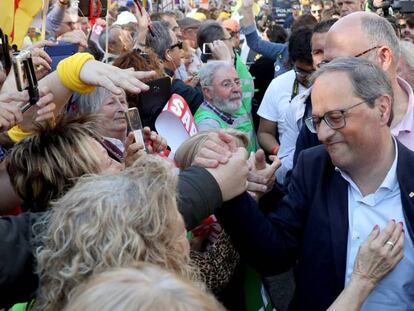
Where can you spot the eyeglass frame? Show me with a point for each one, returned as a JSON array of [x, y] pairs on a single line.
[[314, 128], [232, 33], [325, 61], [179, 44], [302, 73], [236, 82]]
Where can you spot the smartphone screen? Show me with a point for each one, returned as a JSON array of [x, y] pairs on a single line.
[[135, 125], [206, 49], [20, 72]]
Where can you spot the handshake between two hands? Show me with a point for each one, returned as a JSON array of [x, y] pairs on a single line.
[[233, 170]]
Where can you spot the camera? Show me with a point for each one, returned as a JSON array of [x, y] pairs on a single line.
[[25, 75], [21, 67]]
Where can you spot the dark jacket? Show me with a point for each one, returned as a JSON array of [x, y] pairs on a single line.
[[199, 195], [309, 228], [192, 95], [17, 280]]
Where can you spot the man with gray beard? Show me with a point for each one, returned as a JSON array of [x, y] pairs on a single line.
[[222, 101]]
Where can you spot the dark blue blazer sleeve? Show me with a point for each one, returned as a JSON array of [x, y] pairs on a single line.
[[270, 244], [18, 282], [306, 139]]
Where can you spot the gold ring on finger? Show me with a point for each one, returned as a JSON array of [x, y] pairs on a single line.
[[390, 243]]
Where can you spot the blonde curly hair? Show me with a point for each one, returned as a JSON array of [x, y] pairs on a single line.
[[108, 222]]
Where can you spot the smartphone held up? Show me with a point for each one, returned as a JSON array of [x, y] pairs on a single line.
[[135, 125], [25, 75]]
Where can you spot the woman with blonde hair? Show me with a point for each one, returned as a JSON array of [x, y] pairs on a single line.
[[142, 288], [112, 221], [44, 166]]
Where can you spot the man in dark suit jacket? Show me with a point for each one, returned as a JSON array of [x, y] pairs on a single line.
[[310, 229]]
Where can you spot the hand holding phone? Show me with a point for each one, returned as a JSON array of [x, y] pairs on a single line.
[[206, 49], [26, 77], [135, 125]]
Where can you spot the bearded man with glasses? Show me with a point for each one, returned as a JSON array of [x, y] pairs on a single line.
[[222, 101]]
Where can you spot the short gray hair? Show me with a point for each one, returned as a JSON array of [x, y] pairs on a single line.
[[208, 71], [379, 32], [90, 103], [368, 80], [161, 41]]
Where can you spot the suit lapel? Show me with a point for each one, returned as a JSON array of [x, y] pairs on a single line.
[[405, 175], [337, 205]]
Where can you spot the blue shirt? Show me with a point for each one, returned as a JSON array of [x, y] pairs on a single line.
[[278, 52], [396, 290]]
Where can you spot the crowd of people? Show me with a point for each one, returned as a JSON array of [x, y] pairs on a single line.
[[299, 165]]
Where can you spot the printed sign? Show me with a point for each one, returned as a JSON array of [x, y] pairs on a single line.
[[176, 122]]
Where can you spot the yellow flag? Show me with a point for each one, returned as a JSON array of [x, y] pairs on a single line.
[[16, 17]]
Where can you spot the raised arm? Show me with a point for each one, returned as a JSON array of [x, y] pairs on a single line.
[[248, 28]]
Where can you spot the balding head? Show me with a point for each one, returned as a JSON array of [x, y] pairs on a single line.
[[366, 35]]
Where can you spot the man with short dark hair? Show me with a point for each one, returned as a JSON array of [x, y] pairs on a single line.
[[300, 105], [276, 101], [316, 9], [168, 48], [349, 6], [407, 28]]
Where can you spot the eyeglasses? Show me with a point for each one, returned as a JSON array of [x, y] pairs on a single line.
[[402, 26], [179, 44], [316, 11], [228, 84], [325, 61], [367, 51], [301, 73], [335, 119]]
